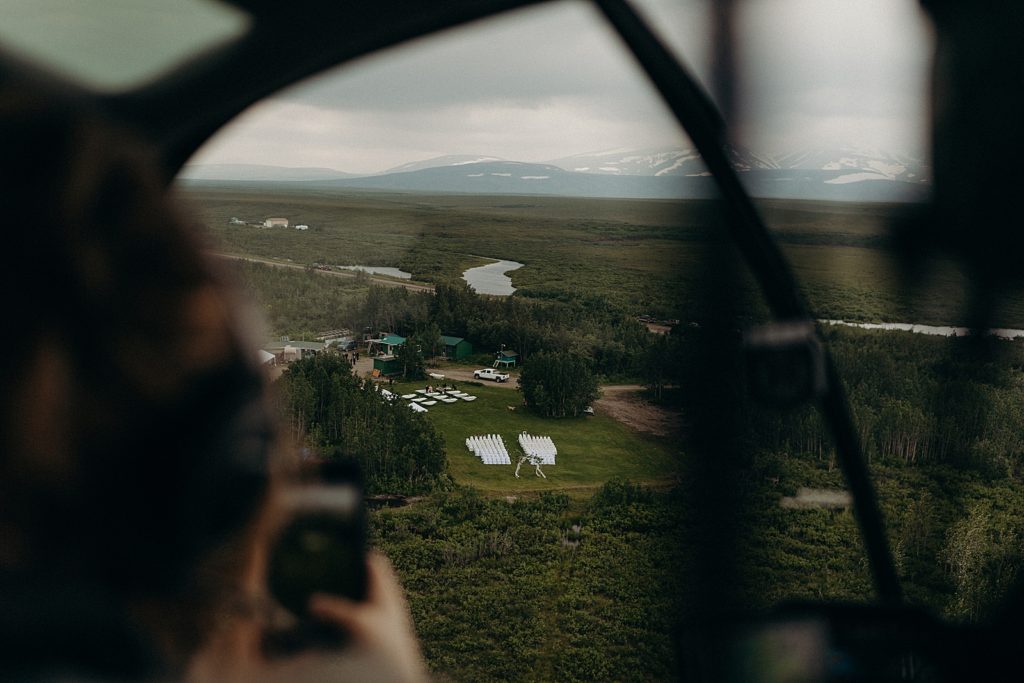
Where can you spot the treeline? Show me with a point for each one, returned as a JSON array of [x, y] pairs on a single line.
[[915, 398], [918, 399], [588, 326], [336, 414], [301, 303]]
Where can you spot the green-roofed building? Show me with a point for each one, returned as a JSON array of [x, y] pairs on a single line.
[[386, 366], [384, 345], [456, 348], [506, 359]]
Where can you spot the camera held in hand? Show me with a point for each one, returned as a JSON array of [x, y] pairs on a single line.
[[322, 549]]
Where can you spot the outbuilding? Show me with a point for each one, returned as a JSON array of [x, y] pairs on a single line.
[[275, 223], [456, 348], [386, 366], [506, 359]]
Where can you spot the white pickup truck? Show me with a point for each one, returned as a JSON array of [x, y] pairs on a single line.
[[488, 373]]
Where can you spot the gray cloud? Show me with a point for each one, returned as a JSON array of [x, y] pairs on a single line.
[[819, 66], [554, 80]]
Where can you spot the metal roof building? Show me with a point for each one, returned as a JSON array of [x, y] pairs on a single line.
[[456, 348]]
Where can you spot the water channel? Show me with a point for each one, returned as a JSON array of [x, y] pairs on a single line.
[[380, 270], [935, 330], [491, 278]]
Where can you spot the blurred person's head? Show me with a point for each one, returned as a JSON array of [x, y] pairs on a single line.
[[134, 433]]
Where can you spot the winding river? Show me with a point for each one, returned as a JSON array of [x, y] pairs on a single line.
[[491, 278]]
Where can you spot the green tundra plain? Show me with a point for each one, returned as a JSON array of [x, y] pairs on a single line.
[[643, 255]]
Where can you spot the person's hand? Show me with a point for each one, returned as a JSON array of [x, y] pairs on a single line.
[[382, 623]]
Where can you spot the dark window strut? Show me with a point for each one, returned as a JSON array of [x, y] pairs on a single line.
[[701, 120]]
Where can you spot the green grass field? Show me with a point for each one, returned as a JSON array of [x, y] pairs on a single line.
[[591, 450]]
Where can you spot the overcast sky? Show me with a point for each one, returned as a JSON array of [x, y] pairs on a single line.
[[552, 81]]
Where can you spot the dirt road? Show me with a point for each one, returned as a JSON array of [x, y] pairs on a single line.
[[624, 403], [412, 286], [467, 376]]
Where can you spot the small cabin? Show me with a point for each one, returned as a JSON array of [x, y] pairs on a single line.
[[275, 223], [506, 359], [386, 366], [456, 348]]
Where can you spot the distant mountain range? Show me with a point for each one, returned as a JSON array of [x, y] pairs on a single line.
[[259, 172], [843, 174], [657, 162]]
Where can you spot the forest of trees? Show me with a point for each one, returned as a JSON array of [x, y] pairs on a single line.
[[338, 415], [614, 342], [919, 400]]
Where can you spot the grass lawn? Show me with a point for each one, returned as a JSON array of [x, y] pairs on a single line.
[[591, 450]]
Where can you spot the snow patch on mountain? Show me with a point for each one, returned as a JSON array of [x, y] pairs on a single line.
[[674, 161], [474, 161], [861, 164], [678, 163], [855, 178], [436, 162]]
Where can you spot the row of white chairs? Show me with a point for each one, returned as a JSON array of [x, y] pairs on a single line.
[[489, 448], [539, 446]]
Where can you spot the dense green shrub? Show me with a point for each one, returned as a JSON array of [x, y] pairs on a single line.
[[498, 593], [558, 384]]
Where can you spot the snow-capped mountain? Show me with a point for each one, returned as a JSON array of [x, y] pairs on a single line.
[[852, 165], [515, 177], [438, 162], [677, 161]]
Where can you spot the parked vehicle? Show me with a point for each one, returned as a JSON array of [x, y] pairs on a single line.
[[488, 373]]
